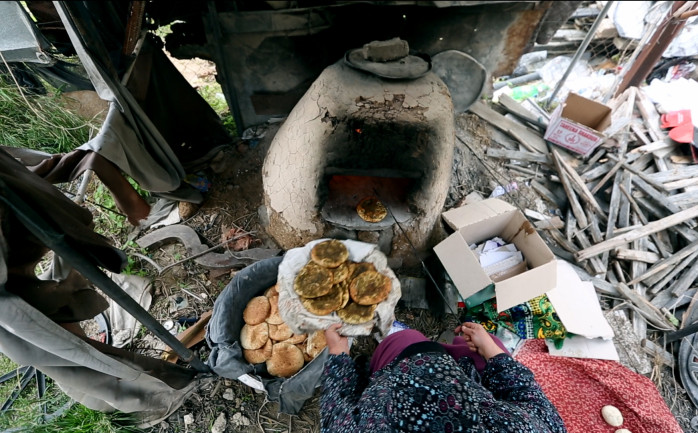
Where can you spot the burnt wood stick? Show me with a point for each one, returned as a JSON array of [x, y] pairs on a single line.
[[666, 263], [648, 229]]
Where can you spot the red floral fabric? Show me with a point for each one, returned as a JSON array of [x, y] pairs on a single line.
[[579, 388]]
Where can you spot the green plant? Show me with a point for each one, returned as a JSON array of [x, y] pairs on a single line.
[[26, 414], [213, 94], [40, 122]]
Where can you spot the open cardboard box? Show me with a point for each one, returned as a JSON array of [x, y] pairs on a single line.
[[578, 124], [483, 220]]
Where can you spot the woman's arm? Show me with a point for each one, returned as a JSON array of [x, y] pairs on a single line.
[[511, 381], [340, 394]]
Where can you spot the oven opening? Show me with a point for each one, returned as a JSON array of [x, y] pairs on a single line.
[[346, 189]]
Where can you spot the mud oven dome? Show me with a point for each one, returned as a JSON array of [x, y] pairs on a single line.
[[354, 135]]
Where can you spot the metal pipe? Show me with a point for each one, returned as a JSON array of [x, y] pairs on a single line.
[[580, 51], [55, 241]]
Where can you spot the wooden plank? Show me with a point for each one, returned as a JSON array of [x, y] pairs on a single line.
[[624, 206], [555, 222], [576, 207], [652, 227], [529, 139], [522, 112], [678, 184], [597, 265], [602, 286], [638, 171], [673, 273], [649, 114], [643, 219], [677, 173], [608, 176], [667, 262], [656, 146], [657, 353], [635, 127], [685, 199], [545, 192], [679, 301], [597, 172], [578, 184], [649, 311], [498, 153], [655, 195], [636, 255], [685, 281]]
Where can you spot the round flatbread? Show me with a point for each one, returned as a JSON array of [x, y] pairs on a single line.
[[361, 267], [355, 314], [286, 360], [341, 273], [280, 332], [371, 210], [303, 346], [326, 304], [271, 291], [297, 339], [316, 343], [370, 288], [274, 316], [256, 311], [254, 336], [313, 281], [346, 297], [257, 356], [329, 254]]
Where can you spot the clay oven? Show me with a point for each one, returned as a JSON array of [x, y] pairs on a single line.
[[354, 135]]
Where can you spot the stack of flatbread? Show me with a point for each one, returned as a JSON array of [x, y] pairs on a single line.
[[266, 338], [329, 282]]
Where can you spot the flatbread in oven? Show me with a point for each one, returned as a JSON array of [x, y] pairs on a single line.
[[355, 314], [329, 254], [313, 281], [371, 210], [370, 287]]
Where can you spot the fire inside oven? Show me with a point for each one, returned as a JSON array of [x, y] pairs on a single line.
[[379, 160]]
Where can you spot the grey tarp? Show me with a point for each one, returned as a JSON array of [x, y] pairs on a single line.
[[99, 376], [223, 332]]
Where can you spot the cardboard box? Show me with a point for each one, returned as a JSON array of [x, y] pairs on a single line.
[[578, 124], [484, 220]]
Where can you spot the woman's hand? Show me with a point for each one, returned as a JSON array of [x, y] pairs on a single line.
[[479, 340], [336, 344]]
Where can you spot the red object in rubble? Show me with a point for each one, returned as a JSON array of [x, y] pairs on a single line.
[[674, 119]]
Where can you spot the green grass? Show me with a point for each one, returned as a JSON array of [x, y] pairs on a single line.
[[25, 415], [40, 122], [212, 93]]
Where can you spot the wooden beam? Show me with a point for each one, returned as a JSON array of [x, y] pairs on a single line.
[[528, 139], [652, 227]]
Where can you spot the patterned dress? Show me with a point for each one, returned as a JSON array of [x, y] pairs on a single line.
[[432, 392]]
